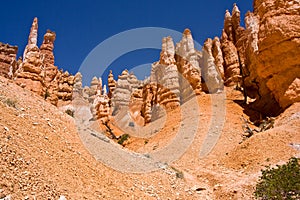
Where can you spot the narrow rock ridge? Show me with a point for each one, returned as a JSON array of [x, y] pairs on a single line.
[[38, 73]]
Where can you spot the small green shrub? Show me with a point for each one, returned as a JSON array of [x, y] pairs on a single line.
[[123, 138], [70, 112], [282, 182]]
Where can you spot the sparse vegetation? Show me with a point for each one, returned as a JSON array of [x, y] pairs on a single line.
[[70, 112], [282, 182], [179, 174], [47, 94], [10, 102], [123, 138]]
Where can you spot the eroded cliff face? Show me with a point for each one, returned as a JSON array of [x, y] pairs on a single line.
[[274, 54], [188, 61], [262, 59], [37, 71], [8, 63]]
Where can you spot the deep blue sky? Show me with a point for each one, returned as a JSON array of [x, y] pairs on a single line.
[[82, 25]]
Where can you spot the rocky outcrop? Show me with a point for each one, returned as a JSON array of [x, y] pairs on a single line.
[[210, 72], [111, 84], [149, 100], [46, 48], [77, 87], [229, 50], [274, 45], [65, 87], [91, 92], [50, 72], [38, 73], [188, 64], [29, 75], [8, 63], [100, 107], [126, 85], [218, 56], [164, 74]]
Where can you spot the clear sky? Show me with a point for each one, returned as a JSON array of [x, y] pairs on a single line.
[[81, 25]]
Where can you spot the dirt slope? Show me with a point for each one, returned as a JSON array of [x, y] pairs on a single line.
[[42, 156]]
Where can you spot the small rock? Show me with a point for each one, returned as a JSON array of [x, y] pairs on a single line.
[[6, 128], [196, 188], [62, 197], [6, 198], [35, 123]]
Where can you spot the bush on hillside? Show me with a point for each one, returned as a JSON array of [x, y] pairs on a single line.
[[281, 182]]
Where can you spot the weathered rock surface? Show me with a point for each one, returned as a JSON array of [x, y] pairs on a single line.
[[100, 107], [29, 75], [37, 71], [229, 50], [49, 71], [8, 63], [91, 92], [164, 74], [188, 64], [126, 85], [275, 46], [46, 48], [210, 71], [65, 87], [149, 100], [111, 84], [78, 83], [218, 56]]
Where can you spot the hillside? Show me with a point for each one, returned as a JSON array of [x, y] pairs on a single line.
[[202, 126], [42, 156]]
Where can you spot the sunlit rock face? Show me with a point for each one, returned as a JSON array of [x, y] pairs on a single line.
[[37, 72], [188, 64], [210, 72], [100, 107], [126, 84], [274, 54], [232, 73], [29, 75]]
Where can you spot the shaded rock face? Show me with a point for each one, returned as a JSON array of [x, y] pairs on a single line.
[[8, 63], [275, 70]]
